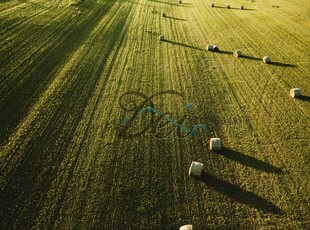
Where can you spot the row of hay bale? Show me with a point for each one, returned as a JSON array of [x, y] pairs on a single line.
[[196, 168], [295, 92], [227, 6], [236, 53]]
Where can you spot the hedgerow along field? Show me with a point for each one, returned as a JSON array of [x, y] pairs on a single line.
[[72, 71]]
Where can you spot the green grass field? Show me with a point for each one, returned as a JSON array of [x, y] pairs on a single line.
[[72, 71]]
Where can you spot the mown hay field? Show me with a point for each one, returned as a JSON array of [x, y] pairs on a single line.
[[98, 117]]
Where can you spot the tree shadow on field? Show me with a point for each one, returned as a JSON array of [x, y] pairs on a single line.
[[238, 194], [183, 45], [178, 19], [249, 161]]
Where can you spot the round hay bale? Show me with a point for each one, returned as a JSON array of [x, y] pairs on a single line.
[[215, 143], [186, 227], [241, 7], [195, 169], [180, 2], [164, 14], [212, 5], [209, 47], [237, 53], [295, 92], [215, 48], [228, 6], [266, 60], [161, 37]]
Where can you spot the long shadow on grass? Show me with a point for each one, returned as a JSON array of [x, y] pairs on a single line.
[[23, 196], [272, 63], [304, 98], [27, 85], [257, 59], [251, 58], [243, 56], [224, 52], [182, 44], [168, 3], [231, 8], [282, 64], [178, 19], [240, 195], [249, 161]]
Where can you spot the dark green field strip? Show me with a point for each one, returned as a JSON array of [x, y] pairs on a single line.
[[37, 74], [33, 29], [7, 6], [12, 23], [84, 75], [80, 90], [36, 42]]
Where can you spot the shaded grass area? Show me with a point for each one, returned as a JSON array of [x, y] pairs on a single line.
[[183, 45], [40, 162], [249, 161], [171, 4], [26, 88], [240, 195]]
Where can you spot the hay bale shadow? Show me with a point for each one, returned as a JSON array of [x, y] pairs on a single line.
[[249, 161], [225, 52], [168, 3], [232, 8], [304, 98], [251, 58], [182, 44], [282, 64], [174, 18], [220, 7], [239, 195]]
